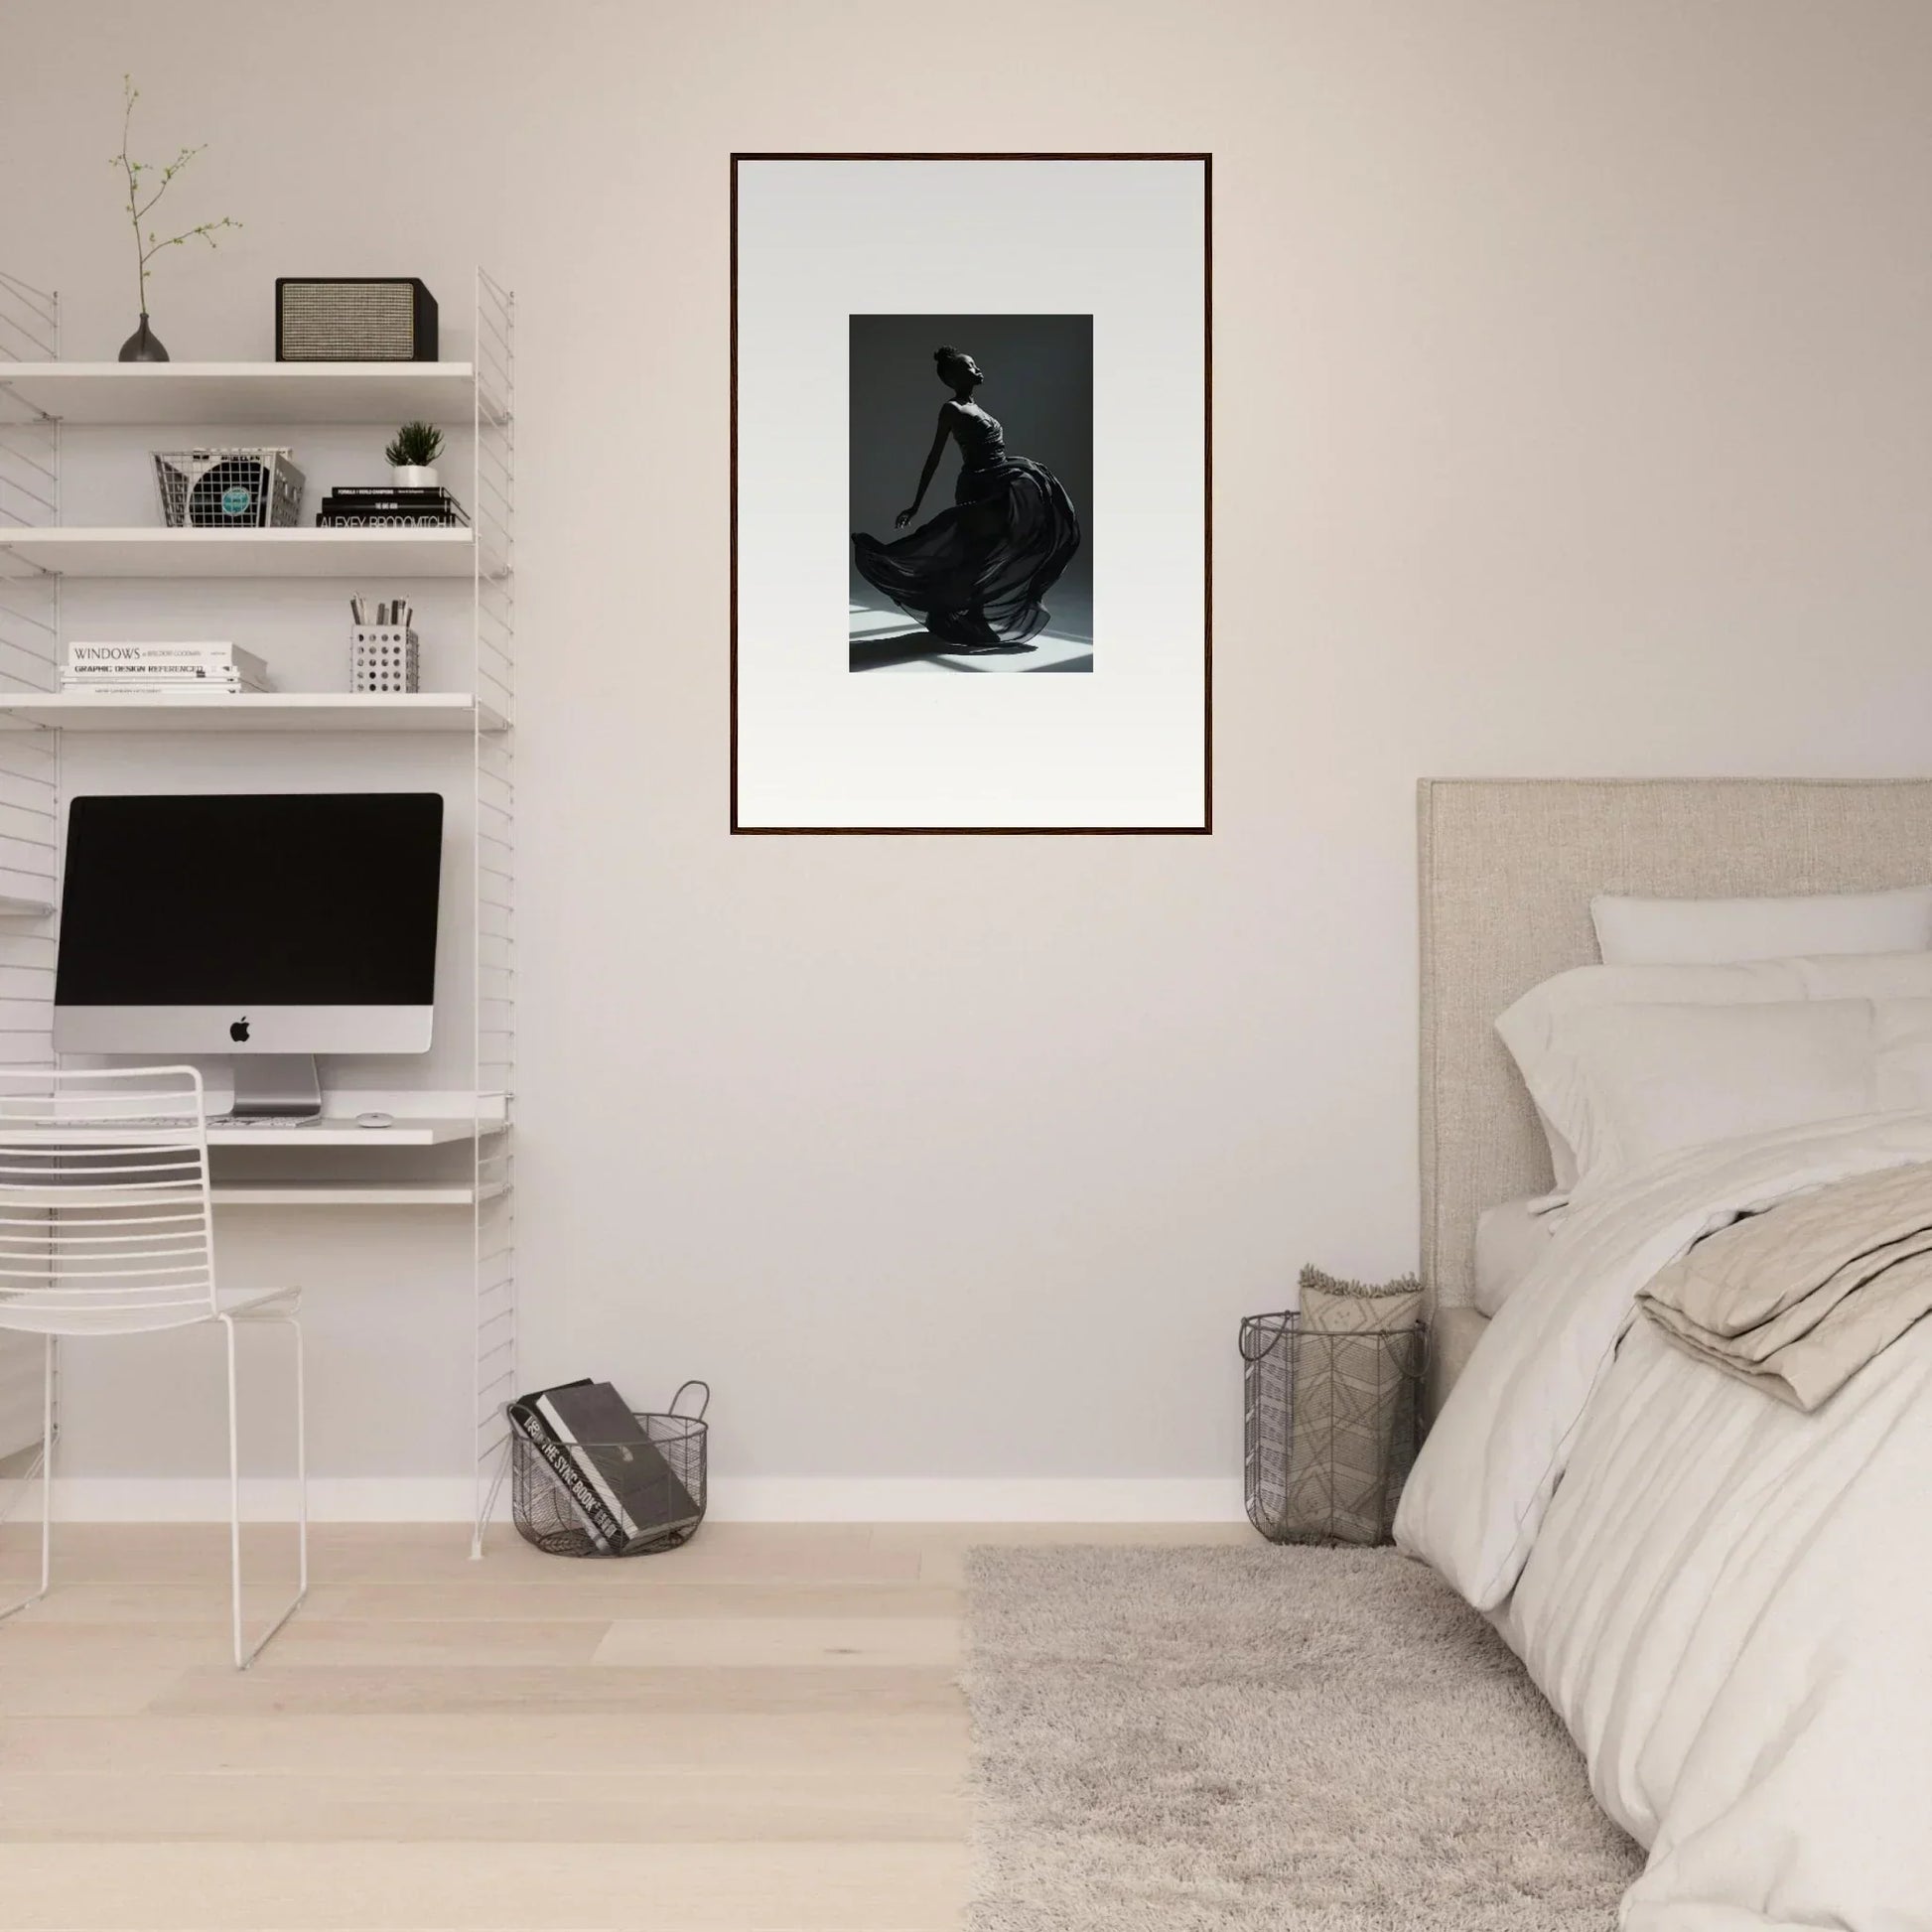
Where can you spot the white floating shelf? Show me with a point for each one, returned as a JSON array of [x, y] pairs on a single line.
[[420, 1130], [81, 552], [265, 711], [345, 1193], [243, 392], [24, 909], [336, 1132]]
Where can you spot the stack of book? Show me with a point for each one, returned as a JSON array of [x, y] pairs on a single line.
[[386, 506], [154, 670], [616, 1478]]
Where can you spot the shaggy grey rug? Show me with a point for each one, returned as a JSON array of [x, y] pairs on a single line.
[[1213, 1739]]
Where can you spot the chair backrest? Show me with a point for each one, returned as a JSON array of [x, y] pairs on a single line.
[[105, 1221]]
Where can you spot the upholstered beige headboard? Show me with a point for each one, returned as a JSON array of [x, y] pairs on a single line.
[[1508, 866]]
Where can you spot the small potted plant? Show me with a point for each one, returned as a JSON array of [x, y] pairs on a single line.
[[411, 455]]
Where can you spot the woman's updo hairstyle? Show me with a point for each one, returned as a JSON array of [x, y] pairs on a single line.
[[946, 358]]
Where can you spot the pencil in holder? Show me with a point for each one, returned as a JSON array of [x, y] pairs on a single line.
[[384, 657]]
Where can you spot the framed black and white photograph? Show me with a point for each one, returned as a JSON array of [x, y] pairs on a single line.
[[970, 493]]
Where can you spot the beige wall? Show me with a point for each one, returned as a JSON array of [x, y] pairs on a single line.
[[1573, 381]]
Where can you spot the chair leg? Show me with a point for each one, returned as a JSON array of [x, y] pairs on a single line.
[[486, 1514], [244, 1653], [47, 1482], [301, 1462]]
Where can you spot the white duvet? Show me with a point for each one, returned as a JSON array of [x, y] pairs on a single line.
[[1729, 1601]]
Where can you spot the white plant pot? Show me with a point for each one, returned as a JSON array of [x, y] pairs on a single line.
[[413, 476]]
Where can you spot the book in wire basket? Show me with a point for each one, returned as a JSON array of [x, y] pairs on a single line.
[[592, 1477]]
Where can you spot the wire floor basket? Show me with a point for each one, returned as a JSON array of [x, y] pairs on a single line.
[[547, 1515], [1331, 1428]]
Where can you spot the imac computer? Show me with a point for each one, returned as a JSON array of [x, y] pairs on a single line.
[[263, 926]]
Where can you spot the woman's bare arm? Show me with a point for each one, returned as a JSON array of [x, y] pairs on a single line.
[[931, 464]]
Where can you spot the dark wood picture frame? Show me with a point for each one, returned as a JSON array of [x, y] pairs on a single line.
[[1206, 826]]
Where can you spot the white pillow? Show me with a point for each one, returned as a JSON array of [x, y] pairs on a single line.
[[1511, 1239], [1703, 931], [1637, 1082], [1542, 1033]]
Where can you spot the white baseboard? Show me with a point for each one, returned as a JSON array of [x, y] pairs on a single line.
[[740, 1499], [204, 1499], [977, 1499]]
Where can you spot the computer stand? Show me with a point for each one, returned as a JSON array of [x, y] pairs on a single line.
[[276, 1086]]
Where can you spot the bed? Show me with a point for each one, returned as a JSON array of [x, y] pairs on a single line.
[[1722, 1598]]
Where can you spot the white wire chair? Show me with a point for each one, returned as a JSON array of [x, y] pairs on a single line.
[[106, 1228]]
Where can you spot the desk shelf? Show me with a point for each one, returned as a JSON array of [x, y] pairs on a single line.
[[423, 1130], [428, 1131], [348, 1193]]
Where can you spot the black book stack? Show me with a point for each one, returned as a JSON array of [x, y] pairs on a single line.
[[619, 1484], [385, 506]]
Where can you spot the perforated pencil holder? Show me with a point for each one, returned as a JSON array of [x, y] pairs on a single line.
[[383, 657]]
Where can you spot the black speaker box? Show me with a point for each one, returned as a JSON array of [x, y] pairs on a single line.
[[353, 318]]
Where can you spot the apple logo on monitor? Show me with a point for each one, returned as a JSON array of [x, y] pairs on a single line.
[[239, 1030]]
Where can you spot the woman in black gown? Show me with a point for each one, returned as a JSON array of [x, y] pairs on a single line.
[[976, 574]]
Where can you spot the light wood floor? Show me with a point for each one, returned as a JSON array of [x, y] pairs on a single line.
[[759, 1733]]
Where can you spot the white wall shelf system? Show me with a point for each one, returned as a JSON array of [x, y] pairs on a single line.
[[40, 395], [29, 765]]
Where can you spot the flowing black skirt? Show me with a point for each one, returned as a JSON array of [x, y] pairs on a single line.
[[978, 573]]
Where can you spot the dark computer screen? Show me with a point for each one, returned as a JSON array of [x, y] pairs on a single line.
[[234, 900]]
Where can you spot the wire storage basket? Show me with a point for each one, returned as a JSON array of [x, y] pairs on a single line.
[[553, 1509], [228, 489], [1331, 1428]]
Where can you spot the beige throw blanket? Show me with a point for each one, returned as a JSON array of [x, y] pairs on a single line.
[[1799, 1298]]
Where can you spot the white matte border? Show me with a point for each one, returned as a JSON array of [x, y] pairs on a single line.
[[816, 240]]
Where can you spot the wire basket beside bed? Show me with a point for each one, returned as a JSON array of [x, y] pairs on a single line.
[[1331, 1428]]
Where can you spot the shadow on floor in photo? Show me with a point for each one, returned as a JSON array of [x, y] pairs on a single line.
[[886, 641], [914, 647]]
